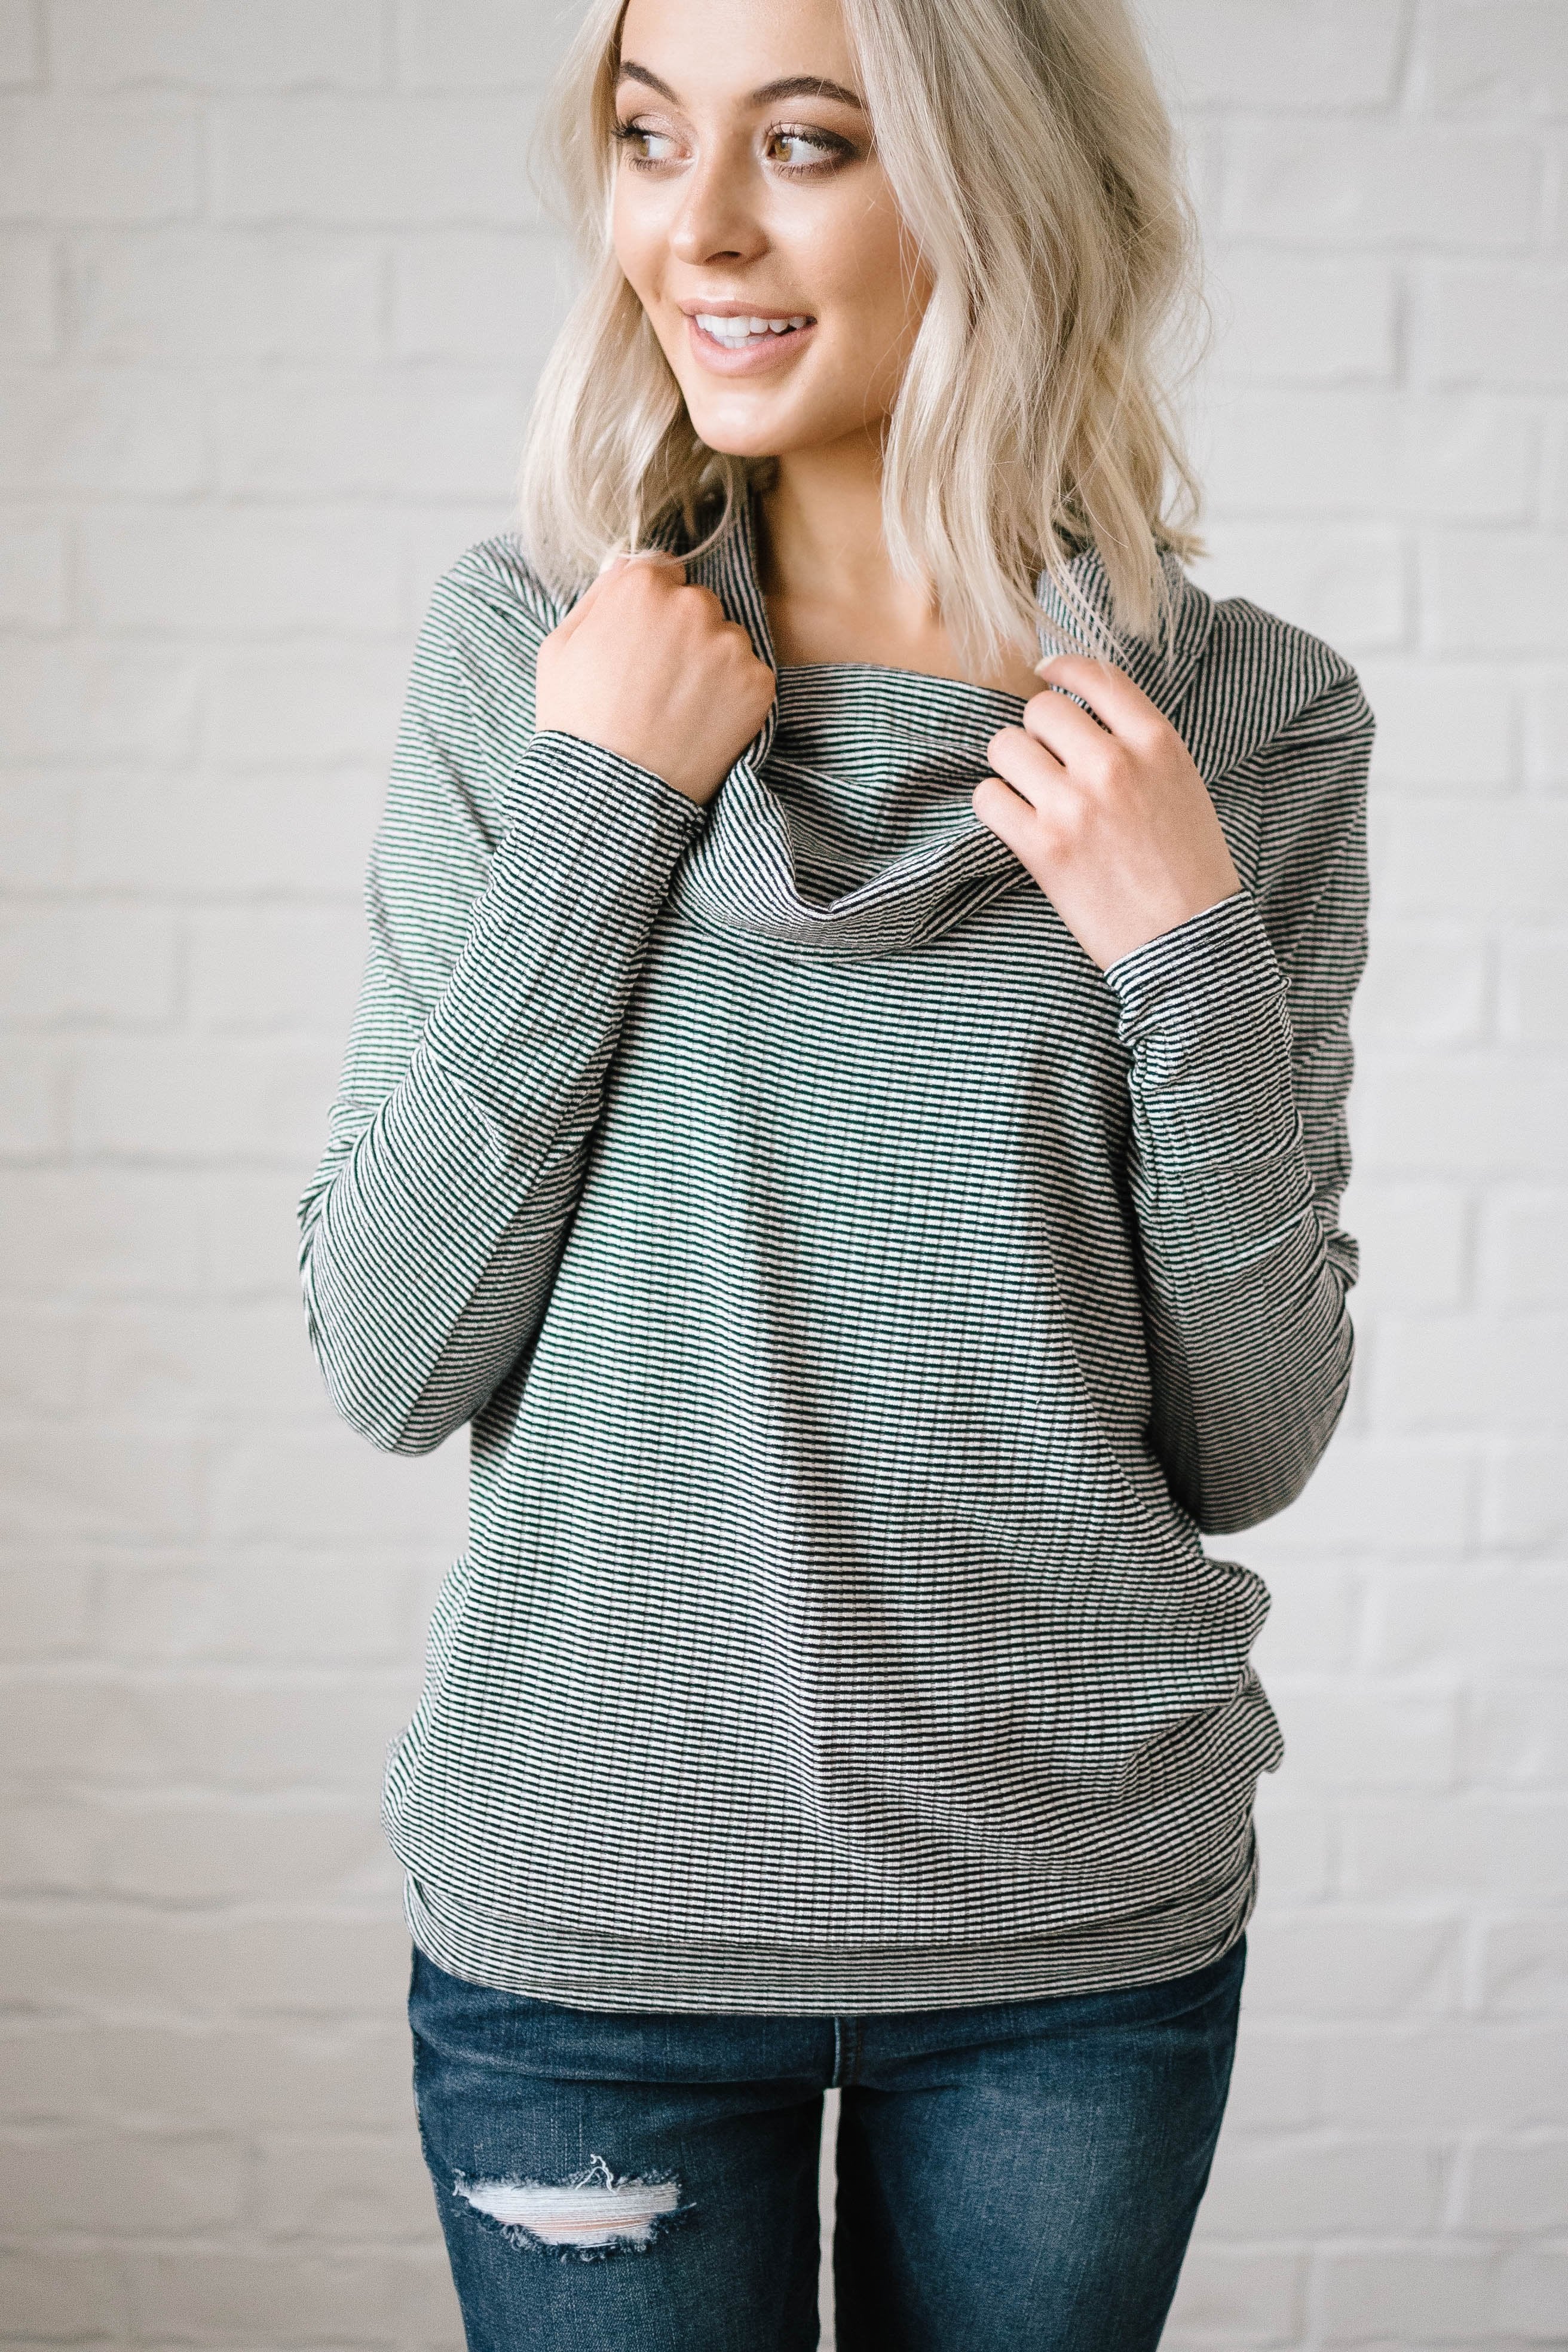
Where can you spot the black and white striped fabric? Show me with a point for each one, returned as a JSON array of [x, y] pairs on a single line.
[[861, 1304]]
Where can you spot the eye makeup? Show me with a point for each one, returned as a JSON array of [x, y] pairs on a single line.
[[835, 151]]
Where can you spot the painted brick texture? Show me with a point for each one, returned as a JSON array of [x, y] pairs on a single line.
[[273, 289]]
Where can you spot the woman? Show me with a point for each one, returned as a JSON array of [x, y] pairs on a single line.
[[855, 1122]]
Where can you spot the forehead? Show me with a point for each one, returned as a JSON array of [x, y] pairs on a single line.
[[722, 49]]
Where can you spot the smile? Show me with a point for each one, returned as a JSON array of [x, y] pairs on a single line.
[[735, 333], [745, 345]]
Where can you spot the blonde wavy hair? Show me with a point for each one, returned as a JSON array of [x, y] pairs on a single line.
[[1036, 170]]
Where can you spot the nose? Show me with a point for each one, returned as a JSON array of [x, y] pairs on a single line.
[[718, 220]]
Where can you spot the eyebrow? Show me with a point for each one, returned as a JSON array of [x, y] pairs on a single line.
[[792, 86]]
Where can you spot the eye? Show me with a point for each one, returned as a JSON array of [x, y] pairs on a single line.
[[631, 135], [829, 150]]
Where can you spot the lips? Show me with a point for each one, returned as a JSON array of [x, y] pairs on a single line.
[[764, 343]]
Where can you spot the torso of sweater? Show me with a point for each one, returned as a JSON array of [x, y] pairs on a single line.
[[813, 1259]]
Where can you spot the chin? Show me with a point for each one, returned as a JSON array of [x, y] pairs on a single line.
[[731, 439], [770, 429], [754, 446]]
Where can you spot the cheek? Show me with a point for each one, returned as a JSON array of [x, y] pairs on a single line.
[[859, 265], [640, 253], [629, 240], [640, 236]]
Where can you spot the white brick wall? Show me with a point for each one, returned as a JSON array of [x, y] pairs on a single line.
[[272, 290]]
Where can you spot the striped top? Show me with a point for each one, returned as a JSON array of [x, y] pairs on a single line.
[[861, 1305]]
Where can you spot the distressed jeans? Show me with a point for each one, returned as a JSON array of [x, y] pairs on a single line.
[[1022, 2174]]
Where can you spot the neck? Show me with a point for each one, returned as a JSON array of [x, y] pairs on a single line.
[[822, 547], [831, 591]]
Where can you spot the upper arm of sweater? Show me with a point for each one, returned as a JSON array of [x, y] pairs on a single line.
[[466, 728], [467, 710], [1312, 897], [510, 889]]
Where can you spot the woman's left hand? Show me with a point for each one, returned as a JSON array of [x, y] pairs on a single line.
[[1114, 822]]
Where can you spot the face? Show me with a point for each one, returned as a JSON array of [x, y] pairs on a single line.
[[747, 189]]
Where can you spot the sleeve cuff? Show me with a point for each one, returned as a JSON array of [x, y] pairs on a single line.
[[1206, 1028], [1219, 959], [561, 765]]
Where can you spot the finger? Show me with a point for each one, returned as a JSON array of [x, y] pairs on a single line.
[[611, 569], [743, 637], [1114, 697], [1031, 768], [1065, 729], [1002, 812], [696, 593], [569, 620], [617, 562], [669, 571]]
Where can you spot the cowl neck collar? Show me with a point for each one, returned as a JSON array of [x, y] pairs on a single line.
[[740, 872]]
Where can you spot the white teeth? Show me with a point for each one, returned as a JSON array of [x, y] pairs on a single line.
[[734, 332]]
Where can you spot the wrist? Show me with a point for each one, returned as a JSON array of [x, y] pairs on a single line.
[[1115, 940], [644, 758], [606, 781], [1221, 949]]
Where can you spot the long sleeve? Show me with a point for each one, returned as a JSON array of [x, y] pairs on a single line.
[[512, 891], [1237, 1028]]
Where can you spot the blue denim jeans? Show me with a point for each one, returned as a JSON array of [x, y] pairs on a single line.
[[1023, 2174]]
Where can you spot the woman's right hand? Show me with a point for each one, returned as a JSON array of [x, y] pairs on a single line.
[[647, 666]]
